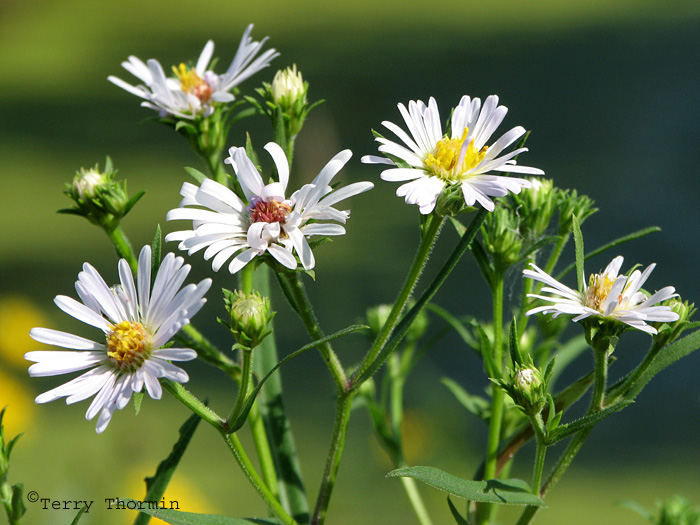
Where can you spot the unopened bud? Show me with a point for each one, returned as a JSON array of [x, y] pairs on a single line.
[[250, 316], [288, 87]]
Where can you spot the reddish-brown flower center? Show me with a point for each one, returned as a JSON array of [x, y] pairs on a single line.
[[270, 211]]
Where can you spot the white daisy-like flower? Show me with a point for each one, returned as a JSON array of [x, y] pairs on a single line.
[[436, 161], [607, 295], [137, 322], [193, 92], [266, 222]]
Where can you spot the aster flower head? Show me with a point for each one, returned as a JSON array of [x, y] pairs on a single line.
[[194, 91], [266, 222], [607, 295], [430, 161], [137, 322]]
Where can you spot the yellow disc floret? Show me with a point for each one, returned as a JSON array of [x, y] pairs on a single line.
[[128, 345], [599, 286], [445, 162], [191, 82]]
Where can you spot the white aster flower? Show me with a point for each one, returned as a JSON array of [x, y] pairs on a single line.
[[607, 295], [266, 222], [137, 322], [193, 92], [436, 161]]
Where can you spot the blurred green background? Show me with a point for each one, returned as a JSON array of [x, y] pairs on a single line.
[[610, 90]]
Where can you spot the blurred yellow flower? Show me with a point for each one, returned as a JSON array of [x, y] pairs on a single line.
[[181, 494], [20, 405], [18, 315]]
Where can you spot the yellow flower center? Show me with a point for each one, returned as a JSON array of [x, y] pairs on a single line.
[[599, 286], [128, 345], [445, 162], [191, 82]]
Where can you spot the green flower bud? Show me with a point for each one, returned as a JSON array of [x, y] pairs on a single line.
[[98, 197], [527, 388], [570, 204], [288, 87], [535, 207], [666, 333], [501, 236], [249, 317]]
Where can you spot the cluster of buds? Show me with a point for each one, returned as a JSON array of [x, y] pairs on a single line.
[[571, 205], [98, 197], [249, 317]]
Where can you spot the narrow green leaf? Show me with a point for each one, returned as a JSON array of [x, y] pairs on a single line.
[[133, 200], [587, 421], [455, 513], [504, 491], [636, 507], [475, 405], [461, 228], [138, 399], [156, 485], [71, 211], [196, 174], [513, 344], [612, 244], [290, 482], [79, 515], [667, 356], [485, 264], [456, 324], [177, 517], [578, 240], [156, 251]]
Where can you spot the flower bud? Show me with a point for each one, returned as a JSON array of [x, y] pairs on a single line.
[[501, 236], [527, 388], [570, 204], [536, 206], [98, 197], [667, 332], [288, 87], [249, 315]]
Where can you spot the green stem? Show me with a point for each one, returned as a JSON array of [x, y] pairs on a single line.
[[556, 253], [262, 448], [243, 461], [497, 394], [293, 287], [540, 453], [123, 246], [426, 245], [244, 385], [195, 405], [342, 417], [601, 350]]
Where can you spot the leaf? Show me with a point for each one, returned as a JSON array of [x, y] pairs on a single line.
[[578, 240], [79, 515], [156, 485], [177, 517], [476, 405], [666, 357], [566, 354], [156, 252], [18, 507], [504, 491], [196, 174], [612, 244], [585, 422], [133, 200], [455, 513], [138, 399], [513, 344], [485, 264]]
